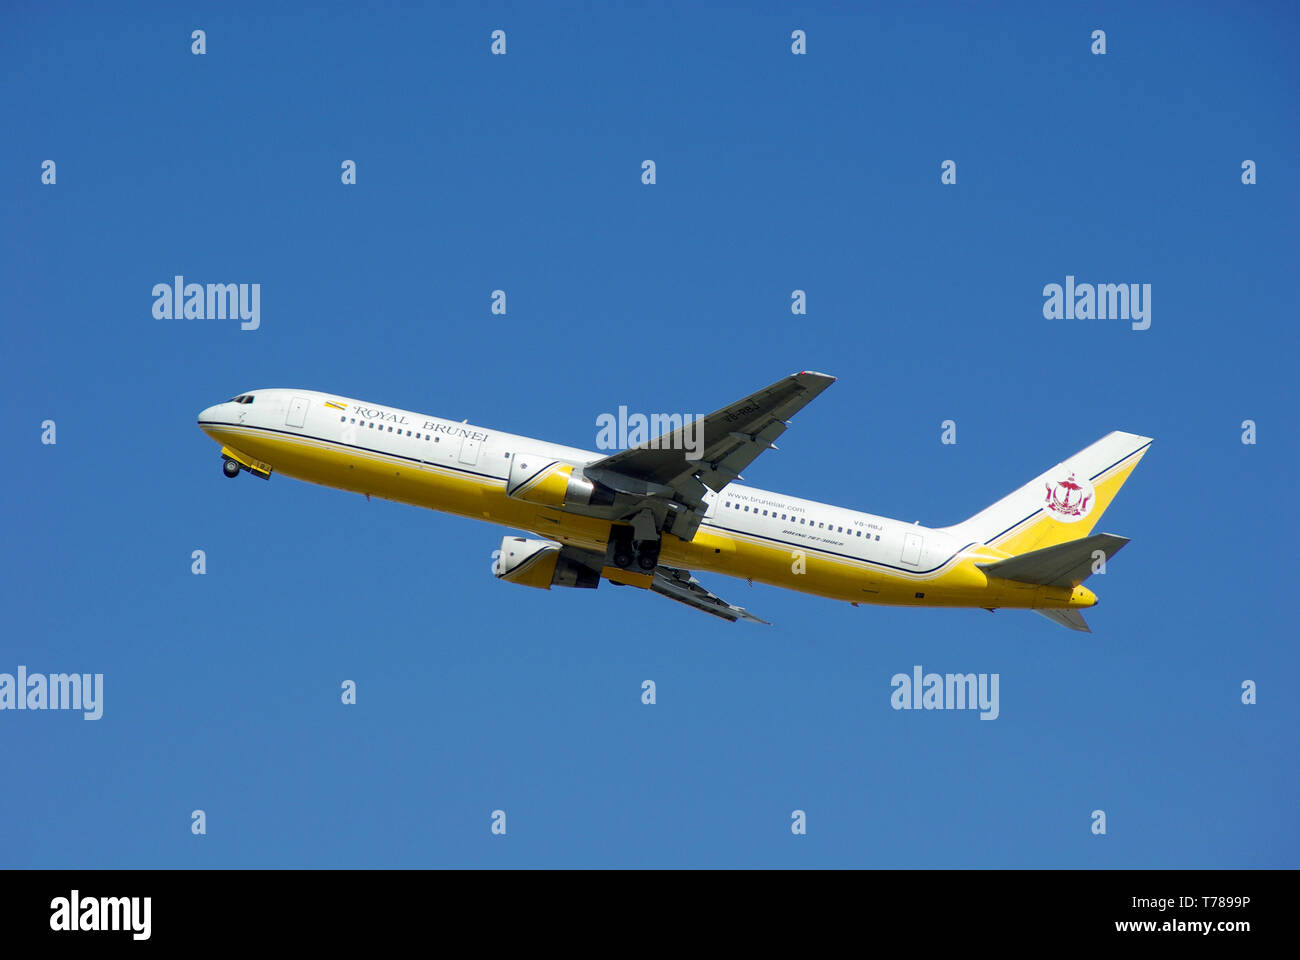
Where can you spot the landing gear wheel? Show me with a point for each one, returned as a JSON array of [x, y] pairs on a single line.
[[648, 556], [231, 469], [622, 559]]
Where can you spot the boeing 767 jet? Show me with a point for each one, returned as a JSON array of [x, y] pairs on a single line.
[[652, 515]]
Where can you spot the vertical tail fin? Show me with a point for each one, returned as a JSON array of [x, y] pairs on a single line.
[[1061, 504]]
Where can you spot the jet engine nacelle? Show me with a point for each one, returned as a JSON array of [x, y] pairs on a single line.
[[553, 483], [541, 563]]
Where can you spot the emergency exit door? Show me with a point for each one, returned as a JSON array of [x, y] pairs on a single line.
[[297, 413], [912, 543]]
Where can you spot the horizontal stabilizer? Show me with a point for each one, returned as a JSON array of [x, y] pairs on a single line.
[[1064, 565], [1066, 618]]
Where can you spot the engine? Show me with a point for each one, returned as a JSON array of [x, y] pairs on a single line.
[[553, 483], [541, 563]]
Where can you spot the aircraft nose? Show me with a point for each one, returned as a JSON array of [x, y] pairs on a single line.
[[209, 414]]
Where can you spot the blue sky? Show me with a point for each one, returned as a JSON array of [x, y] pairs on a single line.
[[522, 172]]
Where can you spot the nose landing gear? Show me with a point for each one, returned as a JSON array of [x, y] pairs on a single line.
[[233, 462]]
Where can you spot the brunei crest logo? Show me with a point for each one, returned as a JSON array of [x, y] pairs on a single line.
[[1070, 499]]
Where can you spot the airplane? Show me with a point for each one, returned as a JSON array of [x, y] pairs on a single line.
[[653, 515]]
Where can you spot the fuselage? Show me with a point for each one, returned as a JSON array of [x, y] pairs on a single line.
[[457, 467]]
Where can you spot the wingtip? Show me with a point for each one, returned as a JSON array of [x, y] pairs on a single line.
[[741, 613]]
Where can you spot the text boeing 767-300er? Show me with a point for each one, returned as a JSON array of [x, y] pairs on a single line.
[[650, 515]]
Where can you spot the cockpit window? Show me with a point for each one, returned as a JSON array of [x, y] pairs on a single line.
[[242, 398]]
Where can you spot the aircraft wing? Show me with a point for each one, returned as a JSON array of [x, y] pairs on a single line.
[[715, 449], [666, 479], [680, 585]]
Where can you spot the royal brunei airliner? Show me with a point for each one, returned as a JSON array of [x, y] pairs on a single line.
[[655, 514]]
